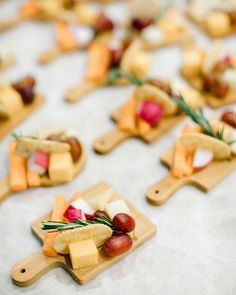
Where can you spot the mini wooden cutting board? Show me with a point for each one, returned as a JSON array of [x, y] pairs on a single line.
[[161, 191], [203, 27], [212, 101], [5, 190], [6, 126], [112, 139], [29, 270]]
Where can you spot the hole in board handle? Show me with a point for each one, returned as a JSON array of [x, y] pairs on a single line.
[[23, 270]]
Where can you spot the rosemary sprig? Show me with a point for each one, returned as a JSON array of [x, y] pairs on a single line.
[[20, 135], [54, 226], [16, 136], [119, 73], [198, 117]]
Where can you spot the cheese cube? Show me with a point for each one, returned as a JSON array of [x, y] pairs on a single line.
[[10, 102], [116, 207], [218, 23], [83, 253], [61, 167], [100, 201], [192, 62]]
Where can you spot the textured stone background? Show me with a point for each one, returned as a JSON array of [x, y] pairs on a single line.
[[194, 249]]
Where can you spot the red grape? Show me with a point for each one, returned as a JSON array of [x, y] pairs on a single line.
[[123, 223], [117, 245]]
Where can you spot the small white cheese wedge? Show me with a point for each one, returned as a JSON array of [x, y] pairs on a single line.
[[152, 35], [202, 158], [100, 201], [229, 76], [82, 34], [177, 86], [116, 207]]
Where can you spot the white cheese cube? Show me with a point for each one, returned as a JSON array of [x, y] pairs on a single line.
[[116, 207], [100, 201], [152, 35]]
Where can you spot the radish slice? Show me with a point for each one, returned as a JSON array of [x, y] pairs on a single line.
[[151, 112], [38, 162], [202, 158], [82, 205], [72, 214]]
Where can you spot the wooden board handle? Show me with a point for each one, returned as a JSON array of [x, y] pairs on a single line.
[[110, 140], [27, 271], [77, 92], [49, 55], [10, 23], [5, 189], [162, 190]]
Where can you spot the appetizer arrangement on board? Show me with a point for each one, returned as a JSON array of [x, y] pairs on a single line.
[[149, 113], [6, 59], [216, 17], [85, 236], [40, 10], [211, 72], [72, 36], [17, 101], [157, 24], [114, 53], [204, 154], [51, 157]]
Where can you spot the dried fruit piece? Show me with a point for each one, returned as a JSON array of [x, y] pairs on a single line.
[[75, 148], [220, 89], [229, 117], [139, 23], [116, 56], [103, 23], [26, 89]]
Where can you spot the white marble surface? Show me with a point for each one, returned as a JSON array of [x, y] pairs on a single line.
[[194, 249]]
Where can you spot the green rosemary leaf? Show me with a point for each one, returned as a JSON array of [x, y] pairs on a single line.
[[198, 117], [119, 73], [53, 226], [16, 136]]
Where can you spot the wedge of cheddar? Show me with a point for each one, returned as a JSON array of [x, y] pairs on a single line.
[[61, 167], [83, 253], [10, 102]]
